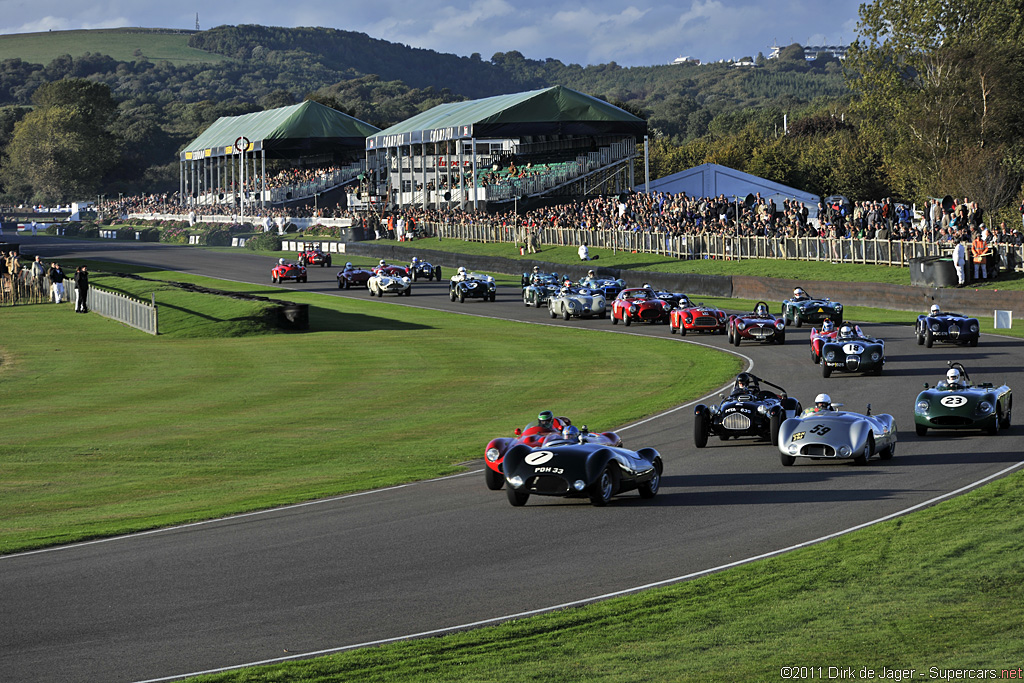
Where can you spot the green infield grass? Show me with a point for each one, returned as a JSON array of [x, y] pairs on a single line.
[[123, 44], [936, 591], [109, 430]]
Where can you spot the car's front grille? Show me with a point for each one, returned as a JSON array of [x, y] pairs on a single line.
[[705, 321], [951, 421], [650, 314], [954, 331], [761, 332], [736, 421], [853, 363], [549, 484], [818, 450]]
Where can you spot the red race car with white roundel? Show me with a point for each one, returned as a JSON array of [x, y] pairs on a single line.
[[286, 270], [534, 435], [350, 276], [821, 336], [758, 325], [690, 317], [639, 304], [314, 256], [384, 268]]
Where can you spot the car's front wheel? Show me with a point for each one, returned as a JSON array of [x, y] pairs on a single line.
[[517, 498], [774, 425], [604, 488], [826, 371], [921, 430], [928, 339], [869, 450], [786, 459], [649, 489], [494, 480], [701, 429]]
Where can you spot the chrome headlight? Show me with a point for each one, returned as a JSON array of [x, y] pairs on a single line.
[[838, 307], [875, 356], [984, 408], [762, 409], [974, 328], [780, 324], [844, 451], [793, 449], [923, 406], [741, 325], [632, 308], [515, 482], [935, 327], [579, 484], [493, 454], [830, 356], [715, 410]]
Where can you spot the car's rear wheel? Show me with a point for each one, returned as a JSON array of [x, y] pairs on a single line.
[[604, 488], [1005, 423], [516, 498], [494, 480], [649, 489], [701, 429]]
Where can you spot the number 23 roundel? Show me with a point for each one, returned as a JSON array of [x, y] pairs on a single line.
[[953, 401]]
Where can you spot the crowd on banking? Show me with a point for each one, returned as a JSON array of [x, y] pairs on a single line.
[[674, 214]]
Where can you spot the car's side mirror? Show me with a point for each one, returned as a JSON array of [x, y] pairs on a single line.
[[926, 385]]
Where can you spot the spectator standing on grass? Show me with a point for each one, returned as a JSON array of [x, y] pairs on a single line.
[[38, 272], [960, 261], [57, 277], [81, 289]]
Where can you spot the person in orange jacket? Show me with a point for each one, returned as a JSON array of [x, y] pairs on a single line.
[[978, 250]]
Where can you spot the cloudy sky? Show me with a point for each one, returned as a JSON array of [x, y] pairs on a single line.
[[628, 32]]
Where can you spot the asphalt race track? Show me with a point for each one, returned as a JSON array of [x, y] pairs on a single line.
[[445, 553]]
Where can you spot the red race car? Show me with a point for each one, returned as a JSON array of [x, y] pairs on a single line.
[[547, 426], [697, 318], [819, 337], [758, 325], [353, 277], [641, 304], [286, 270], [384, 268], [312, 256]]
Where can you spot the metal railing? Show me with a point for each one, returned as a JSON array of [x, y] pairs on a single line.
[[712, 246], [123, 308]]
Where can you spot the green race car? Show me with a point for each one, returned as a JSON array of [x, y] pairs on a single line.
[[955, 403]]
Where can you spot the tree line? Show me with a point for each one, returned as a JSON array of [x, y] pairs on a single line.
[[921, 108]]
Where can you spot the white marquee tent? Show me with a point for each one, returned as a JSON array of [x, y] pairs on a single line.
[[711, 180]]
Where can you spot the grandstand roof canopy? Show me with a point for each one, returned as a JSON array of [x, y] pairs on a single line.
[[550, 111], [286, 132]]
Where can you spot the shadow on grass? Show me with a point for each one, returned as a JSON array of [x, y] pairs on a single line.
[[330, 320]]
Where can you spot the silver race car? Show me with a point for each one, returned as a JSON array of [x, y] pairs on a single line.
[[826, 433]]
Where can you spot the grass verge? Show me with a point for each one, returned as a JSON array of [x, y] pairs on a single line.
[[109, 430]]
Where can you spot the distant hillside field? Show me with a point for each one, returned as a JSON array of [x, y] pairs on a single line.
[[120, 43]]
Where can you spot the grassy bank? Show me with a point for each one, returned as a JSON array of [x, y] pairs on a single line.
[[201, 422]]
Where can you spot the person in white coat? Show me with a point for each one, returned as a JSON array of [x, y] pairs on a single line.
[[584, 252], [960, 262]]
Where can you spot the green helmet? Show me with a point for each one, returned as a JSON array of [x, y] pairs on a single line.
[[546, 417]]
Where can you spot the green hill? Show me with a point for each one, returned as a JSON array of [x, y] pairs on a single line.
[[122, 44]]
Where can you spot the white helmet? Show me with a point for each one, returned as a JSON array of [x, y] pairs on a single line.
[[953, 377], [798, 292], [462, 270], [935, 310], [823, 401], [280, 261], [845, 332], [382, 263], [415, 260], [348, 264], [828, 326]]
